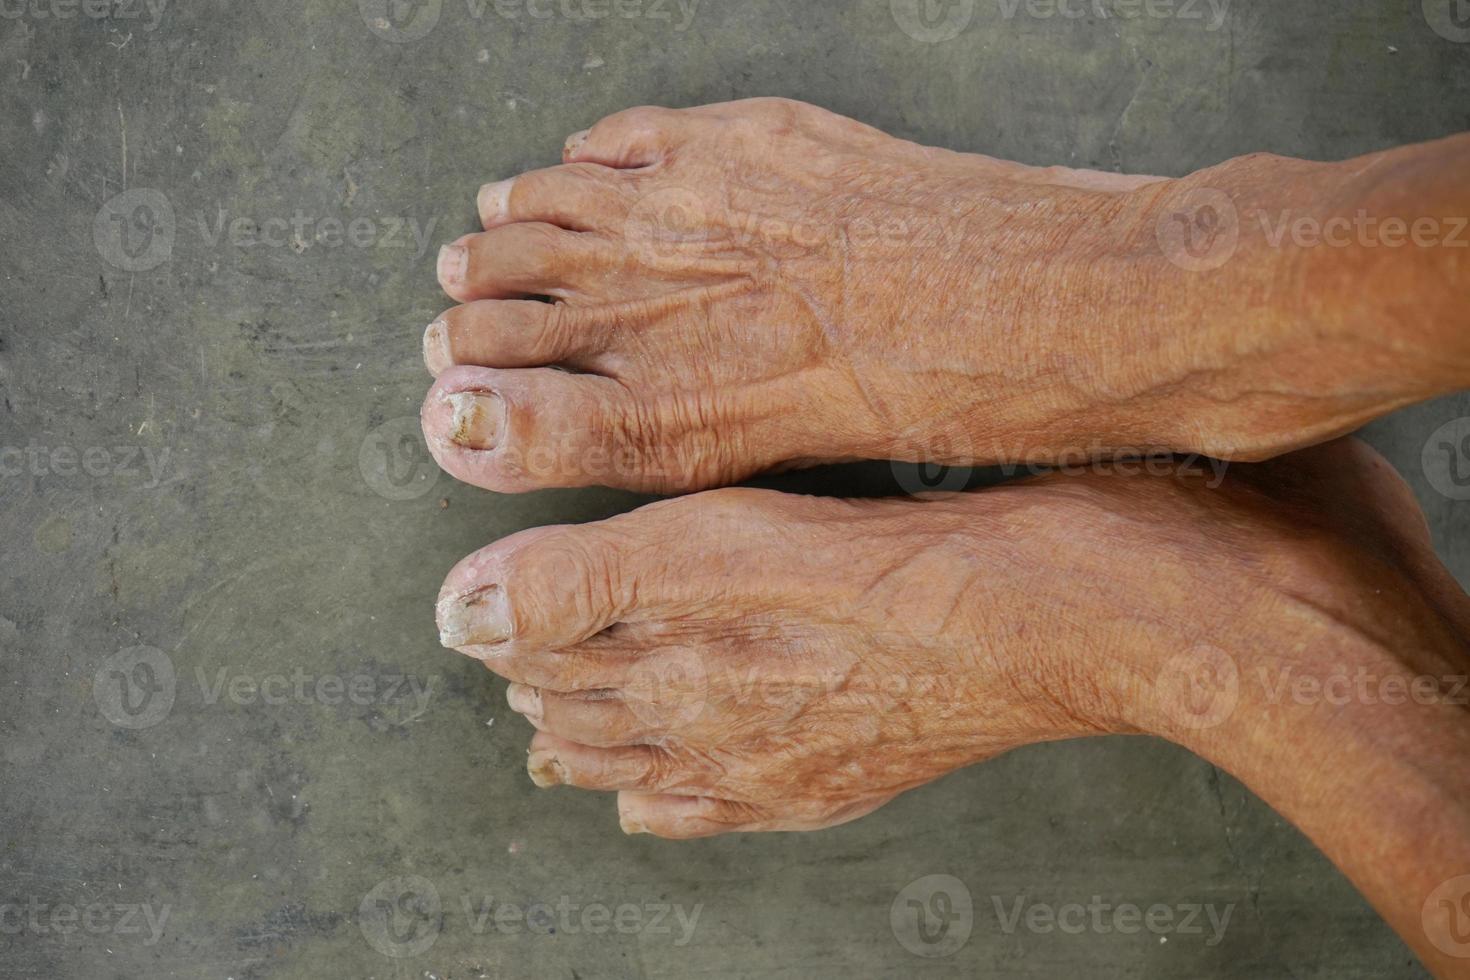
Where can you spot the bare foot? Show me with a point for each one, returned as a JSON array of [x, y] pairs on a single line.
[[747, 286], [746, 660], [762, 284]]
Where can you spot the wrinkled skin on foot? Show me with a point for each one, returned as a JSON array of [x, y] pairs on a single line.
[[739, 655], [743, 661], [761, 284], [765, 284]]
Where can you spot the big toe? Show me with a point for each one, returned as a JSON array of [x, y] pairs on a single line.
[[513, 431]]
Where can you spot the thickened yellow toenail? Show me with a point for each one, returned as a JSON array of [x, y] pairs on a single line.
[[524, 700], [479, 418], [494, 201], [546, 769], [631, 824], [436, 348], [454, 262], [478, 619]]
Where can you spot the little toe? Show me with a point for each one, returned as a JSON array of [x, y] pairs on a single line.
[[686, 817], [683, 816], [555, 761], [638, 137]]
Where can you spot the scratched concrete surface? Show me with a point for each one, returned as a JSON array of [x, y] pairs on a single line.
[[232, 745]]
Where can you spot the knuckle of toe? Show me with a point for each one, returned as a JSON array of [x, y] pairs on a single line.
[[590, 173], [640, 117], [533, 590], [557, 677], [720, 816], [769, 116], [739, 510], [541, 245], [660, 771], [638, 443], [639, 427], [559, 333], [533, 186], [681, 443], [552, 670], [580, 574], [642, 127], [782, 110]]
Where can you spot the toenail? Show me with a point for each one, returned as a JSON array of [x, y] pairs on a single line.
[[546, 769], [631, 824], [480, 618], [494, 200], [436, 348], [478, 419], [524, 700], [575, 141], [454, 262]]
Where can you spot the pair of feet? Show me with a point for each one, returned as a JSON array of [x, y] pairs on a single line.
[[743, 287]]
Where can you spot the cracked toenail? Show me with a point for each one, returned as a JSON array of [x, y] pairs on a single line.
[[494, 200], [478, 419], [546, 769], [454, 262], [631, 824], [575, 141], [524, 701], [436, 348], [477, 619]]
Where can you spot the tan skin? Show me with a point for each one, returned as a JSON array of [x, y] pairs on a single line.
[[764, 284], [747, 661]]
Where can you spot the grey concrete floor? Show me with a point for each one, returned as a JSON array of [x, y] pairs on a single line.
[[232, 746]]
